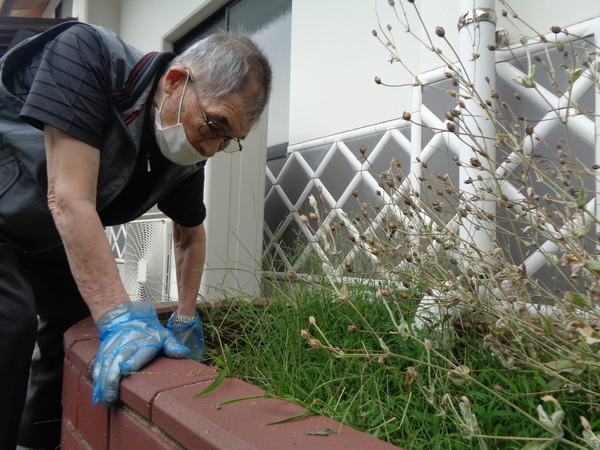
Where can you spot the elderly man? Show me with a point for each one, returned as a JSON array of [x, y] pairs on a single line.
[[94, 133]]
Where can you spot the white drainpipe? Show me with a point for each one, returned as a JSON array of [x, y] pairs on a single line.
[[477, 27]]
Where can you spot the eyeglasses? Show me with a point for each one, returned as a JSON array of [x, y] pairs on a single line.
[[211, 130]]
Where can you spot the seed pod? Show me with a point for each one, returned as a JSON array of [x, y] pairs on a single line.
[[315, 343], [362, 149], [440, 31], [452, 92], [375, 251], [491, 48], [475, 162], [529, 130], [374, 33], [304, 219], [504, 13], [406, 115], [384, 293], [355, 193], [352, 329], [556, 29], [404, 295], [305, 334], [412, 373], [495, 94], [292, 275], [451, 127], [313, 216], [560, 46], [377, 80], [391, 225]]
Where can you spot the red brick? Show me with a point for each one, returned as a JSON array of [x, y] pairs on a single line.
[[195, 422], [81, 355], [70, 439], [130, 432], [139, 390], [93, 421], [70, 393]]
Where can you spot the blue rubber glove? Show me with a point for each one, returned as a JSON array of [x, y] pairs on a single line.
[[189, 334], [130, 337]]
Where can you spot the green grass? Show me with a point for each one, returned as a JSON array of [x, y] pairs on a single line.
[[267, 350]]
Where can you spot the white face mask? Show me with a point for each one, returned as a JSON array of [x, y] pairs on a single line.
[[172, 141]]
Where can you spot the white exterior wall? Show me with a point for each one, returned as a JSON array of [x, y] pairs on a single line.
[[335, 57]]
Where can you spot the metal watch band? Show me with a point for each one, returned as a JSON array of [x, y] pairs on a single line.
[[183, 319]]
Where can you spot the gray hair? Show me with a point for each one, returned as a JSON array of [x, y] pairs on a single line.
[[225, 63]]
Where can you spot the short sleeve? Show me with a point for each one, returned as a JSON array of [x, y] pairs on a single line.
[[71, 87], [185, 203]]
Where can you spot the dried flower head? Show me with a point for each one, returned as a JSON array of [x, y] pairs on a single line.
[[383, 293], [412, 373], [292, 275], [315, 343]]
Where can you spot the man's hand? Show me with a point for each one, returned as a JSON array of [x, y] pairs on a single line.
[[189, 334], [130, 337]]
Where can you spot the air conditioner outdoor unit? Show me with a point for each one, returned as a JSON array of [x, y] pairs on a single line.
[[146, 259]]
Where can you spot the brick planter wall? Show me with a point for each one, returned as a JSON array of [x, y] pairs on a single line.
[[158, 411]]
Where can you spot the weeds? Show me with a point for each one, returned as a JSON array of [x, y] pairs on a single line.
[[461, 310]]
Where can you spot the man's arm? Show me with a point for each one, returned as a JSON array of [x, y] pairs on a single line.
[[130, 333], [72, 183], [190, 253]]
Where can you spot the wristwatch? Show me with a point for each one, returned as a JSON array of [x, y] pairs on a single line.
[[183, 319]]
